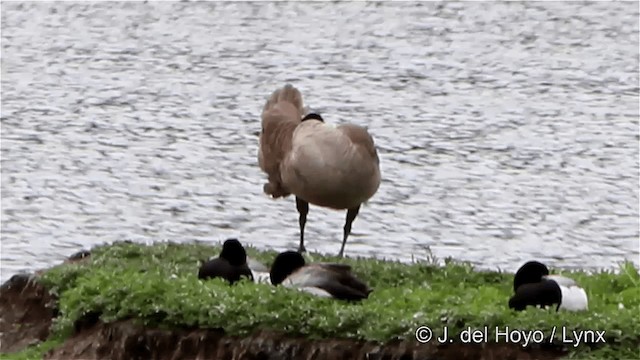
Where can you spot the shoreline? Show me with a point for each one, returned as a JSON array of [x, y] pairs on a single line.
[[384, 325], [613, 266]]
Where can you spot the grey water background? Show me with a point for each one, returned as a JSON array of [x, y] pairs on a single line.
[[506, 131]]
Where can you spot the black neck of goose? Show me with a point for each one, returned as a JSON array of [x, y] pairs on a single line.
[[285, 264], [313, 116]]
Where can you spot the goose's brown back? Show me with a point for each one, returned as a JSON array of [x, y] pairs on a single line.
[[281, 114], [331, 166]]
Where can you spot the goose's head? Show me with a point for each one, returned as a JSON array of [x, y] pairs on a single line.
[[285, 264], [530, 272], [313, 116], [233, 252]]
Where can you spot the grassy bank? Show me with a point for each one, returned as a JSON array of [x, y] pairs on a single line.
[[158, 285]]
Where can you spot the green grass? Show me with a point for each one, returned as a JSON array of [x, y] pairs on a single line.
[[158, 285]]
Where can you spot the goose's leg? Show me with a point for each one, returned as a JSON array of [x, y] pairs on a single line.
[[303, 209], [351, 215]]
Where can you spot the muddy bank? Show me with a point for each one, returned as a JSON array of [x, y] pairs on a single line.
[[27, 310], [126, 340]]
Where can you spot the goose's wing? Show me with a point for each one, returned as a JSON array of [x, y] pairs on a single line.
[[360, 137], [326, 168]]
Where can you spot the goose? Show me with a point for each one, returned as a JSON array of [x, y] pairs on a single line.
[[333, 166], [230, 265], [289, 269], [534, 286]]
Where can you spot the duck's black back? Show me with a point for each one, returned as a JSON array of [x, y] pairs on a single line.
[[221, 268], [348, 279], [543, 293], [342, 284]]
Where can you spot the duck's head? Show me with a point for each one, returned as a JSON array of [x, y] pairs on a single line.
[[284, 265], [530, 272], [233, 252], [313, 116]]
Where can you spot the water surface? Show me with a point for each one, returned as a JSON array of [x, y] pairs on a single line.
[[506, 131]]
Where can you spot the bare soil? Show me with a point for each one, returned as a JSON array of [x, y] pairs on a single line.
[[127, 340], [26, 311]]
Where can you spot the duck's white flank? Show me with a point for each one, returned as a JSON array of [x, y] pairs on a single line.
[[293, 284], [306, 276], [306, 279], [255, 265], [574, 298], [315, 291]]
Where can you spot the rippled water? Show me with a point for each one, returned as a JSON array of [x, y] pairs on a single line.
[[506, 131]]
